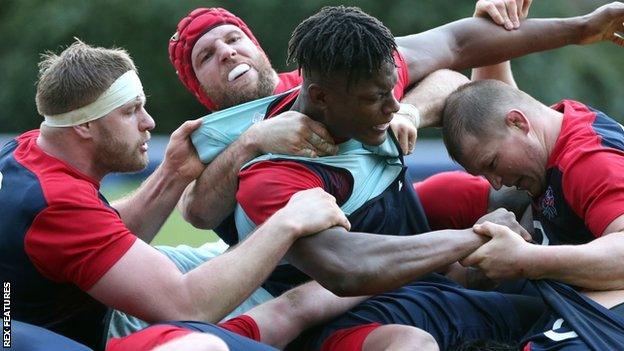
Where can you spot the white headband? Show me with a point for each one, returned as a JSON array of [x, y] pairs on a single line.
[[125, 88]]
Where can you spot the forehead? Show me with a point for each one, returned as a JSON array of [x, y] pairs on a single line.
[[476, 153], [215, 33], [385, 78]]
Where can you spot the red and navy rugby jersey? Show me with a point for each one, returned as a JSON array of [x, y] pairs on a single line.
[[58, 237], [584, 176]]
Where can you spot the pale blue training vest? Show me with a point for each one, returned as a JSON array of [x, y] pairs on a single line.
[[373, 168]]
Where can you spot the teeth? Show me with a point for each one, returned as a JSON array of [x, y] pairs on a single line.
[[382, 127], [238, 71]]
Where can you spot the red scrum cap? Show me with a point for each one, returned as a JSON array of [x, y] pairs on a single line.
[[190, 29]]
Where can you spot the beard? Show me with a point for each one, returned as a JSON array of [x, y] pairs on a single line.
[[115, 155], [264, 87]]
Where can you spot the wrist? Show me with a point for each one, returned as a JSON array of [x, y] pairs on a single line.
[[285, 225], [250, 142], [410, 112]]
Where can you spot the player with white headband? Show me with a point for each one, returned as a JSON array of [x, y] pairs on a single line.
[[69, 255], [126, 88]]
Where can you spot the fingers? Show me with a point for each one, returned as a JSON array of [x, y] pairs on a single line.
[[525, 8], [413, 135], [321, 139], [320, 145], [186, 129], [491, 10], [471, 260], [512, 12], [403, 138], [501, 6]]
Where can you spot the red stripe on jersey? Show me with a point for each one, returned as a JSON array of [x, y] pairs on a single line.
[[350, 339], [147, 339], [243, 325]]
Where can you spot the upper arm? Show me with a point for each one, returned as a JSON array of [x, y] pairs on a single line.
[[143, 283], [594, 187], [267, 186], [77, 243]]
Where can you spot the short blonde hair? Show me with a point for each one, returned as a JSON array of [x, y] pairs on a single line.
[[78, 76]]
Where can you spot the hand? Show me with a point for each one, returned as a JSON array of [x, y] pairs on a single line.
[[506, 13], [311, 211], [293, 133], [503, 256], [405, 131], [606, 23], [181, 157], [507, 218]]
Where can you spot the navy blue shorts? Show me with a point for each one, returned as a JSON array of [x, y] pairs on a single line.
[[234, 341], [451, 313]]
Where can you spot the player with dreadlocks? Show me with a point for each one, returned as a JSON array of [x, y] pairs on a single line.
[[350, 82]]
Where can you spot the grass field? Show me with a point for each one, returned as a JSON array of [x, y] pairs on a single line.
[[175, 231]]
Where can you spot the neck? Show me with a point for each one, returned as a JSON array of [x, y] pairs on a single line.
[[64, 146], [551, 121]]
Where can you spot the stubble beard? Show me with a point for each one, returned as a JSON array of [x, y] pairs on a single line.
[[115, 155], [231, 97]]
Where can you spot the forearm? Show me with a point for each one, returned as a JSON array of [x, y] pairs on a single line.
[[476, 42], [501, 71], [595, 266], [146, 209], [221, 284], [282, 319], [350, 264], [209, 199], [430, 94]]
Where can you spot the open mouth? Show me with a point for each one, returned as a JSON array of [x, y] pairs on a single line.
[[382, 127], [238, 71]]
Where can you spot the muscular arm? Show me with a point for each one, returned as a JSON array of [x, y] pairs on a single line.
[[146, 284], [596, 265], [210, 198], [350, 263], [477, 42]]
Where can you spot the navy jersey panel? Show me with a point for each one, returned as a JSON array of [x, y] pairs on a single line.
[[449, 312], [234, 341], [573, 321], [557, 222], [60, 307]]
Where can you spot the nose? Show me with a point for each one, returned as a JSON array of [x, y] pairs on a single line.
[[495, 181], [224, 50], [147, 122], [391, 105]]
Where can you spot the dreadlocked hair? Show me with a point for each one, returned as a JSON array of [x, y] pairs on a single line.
[[341, 39]]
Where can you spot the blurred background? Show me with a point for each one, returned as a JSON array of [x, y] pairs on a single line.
[[30, 27]]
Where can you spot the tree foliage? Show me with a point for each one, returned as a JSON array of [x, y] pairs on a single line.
[[30, 27]]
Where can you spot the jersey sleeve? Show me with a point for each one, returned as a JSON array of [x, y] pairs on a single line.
[[77, 243], [594, 187], [403, 76], [267, 186], [453, 200]]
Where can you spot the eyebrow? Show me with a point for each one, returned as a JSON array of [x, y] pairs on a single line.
[[209, 47]]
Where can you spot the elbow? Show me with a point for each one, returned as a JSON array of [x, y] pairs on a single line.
[[196, 218]]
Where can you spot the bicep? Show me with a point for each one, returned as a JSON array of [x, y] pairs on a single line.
[[141, 283]]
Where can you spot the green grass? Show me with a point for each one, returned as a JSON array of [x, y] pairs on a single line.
[[175, 231]]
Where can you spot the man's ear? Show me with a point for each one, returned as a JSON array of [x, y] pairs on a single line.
[[318, 96], [517, 119], [84, 130]]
